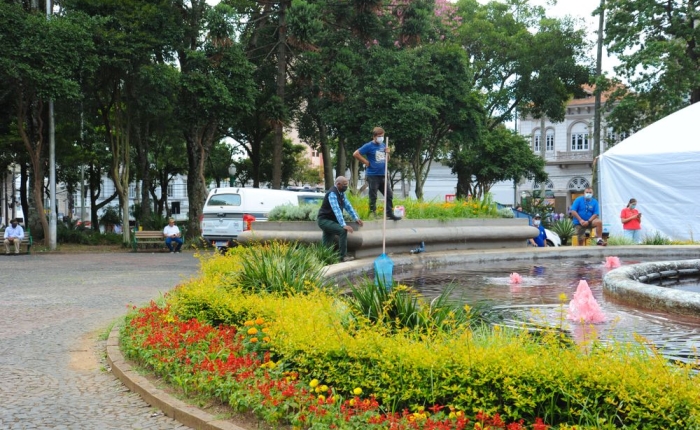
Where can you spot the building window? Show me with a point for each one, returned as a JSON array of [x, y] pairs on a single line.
[[536, 143], [579, 137], [132, 191], [171, 191], [550, 140], [578, 184]]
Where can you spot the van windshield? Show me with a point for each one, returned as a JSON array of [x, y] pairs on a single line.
[[310, 200], [225, 200]]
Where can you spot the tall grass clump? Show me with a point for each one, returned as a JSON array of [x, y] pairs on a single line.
[[620, 241], [281, 268], [656, 239]]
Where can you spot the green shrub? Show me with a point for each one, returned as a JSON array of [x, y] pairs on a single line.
[[281, 268], [656, 239], [564, 228], [620, 241]]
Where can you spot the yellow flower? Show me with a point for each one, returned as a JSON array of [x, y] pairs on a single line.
[[248, 323], [352, 402], [321, 397], [265, 330], [313, 383], [357, 391], [324, 388], [254, 340], [259, 321], [266, 339], [467, 308], [562, 297], [252, 331]]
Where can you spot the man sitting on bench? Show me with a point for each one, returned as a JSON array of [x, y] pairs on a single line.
[[172, 234], [14, 234]]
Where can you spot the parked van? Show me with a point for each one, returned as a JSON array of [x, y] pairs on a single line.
[[229, 211]]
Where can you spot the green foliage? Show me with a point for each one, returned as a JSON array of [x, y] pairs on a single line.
[[418, 209], [111, 216], [619, 241], [70, 233], [564, 228], [293, 213], [652, 41], [656, 239], [506, 213], [400, 307], [279, 268]]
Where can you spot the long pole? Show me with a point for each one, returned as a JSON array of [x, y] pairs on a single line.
[[52, 163], [386, 174], [597, 118]]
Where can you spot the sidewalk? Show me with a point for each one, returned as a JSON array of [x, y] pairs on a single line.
[[53, 307]]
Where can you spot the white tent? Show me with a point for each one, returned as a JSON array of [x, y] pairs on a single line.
[[660, 167]]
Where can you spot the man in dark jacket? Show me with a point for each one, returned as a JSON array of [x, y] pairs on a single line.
[[330, 217]]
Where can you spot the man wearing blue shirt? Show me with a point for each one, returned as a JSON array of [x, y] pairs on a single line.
[[541, 239], [330, 217], [374, 155], [586, 213]]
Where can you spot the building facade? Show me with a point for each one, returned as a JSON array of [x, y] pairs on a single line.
[[568, 152]]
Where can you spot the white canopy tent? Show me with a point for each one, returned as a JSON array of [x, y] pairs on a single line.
[[660, 167]]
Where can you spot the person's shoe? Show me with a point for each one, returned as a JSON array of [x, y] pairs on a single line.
[[393, 217], [347, 258], [172, 252], [177, 252], [601, 242], [16, 252]]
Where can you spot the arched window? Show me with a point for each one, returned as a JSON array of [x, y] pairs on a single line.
[[536, 140], [578, 184], [550, 140], [579, 137], [548, 189]]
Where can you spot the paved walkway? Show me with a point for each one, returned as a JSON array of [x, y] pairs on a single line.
[[52, 310]]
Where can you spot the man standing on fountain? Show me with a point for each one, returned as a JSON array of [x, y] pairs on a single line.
[[586, 213]]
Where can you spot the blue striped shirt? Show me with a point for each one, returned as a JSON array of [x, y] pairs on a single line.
[[333, 200]]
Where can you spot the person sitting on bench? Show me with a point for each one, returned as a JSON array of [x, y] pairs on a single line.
[[14, 234], [172, 234]]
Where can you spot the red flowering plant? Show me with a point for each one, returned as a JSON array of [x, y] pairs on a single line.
[[235, 367]]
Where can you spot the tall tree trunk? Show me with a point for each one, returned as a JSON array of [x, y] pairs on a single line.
[[199, 144], [328, 178], [31, 130], [281, 84]]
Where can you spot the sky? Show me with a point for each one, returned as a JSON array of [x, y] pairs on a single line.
[[582, 9]]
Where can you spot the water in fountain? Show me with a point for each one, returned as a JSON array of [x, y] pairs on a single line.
[[537, 301]]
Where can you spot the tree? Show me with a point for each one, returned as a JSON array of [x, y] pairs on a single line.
[[40, 61], [497, 155], [658, 45], [215, 87]]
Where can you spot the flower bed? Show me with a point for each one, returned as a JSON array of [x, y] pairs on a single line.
[[306, 359]]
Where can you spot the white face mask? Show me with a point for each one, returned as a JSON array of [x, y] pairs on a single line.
[[536, 222], [380, 139], [588, 196]]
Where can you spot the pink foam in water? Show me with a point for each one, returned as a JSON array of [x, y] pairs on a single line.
[[584, 307], [612, 262], [515, 278]]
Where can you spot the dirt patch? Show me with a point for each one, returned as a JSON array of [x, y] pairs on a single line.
[[86, 354]]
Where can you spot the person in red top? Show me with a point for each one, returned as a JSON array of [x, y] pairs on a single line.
[[632, 221]]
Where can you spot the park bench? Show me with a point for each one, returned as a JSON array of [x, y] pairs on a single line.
[[26, 243], [147, 238]]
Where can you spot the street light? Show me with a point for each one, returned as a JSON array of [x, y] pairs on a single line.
[[231, 173]]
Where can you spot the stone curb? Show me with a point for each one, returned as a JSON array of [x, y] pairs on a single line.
[[182, 412]]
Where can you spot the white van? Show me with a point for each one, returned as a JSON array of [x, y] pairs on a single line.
[[229, 211]]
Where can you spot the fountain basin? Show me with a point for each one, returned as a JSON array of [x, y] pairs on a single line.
[[627, 285]]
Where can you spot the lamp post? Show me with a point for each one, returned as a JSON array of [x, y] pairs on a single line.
[[231, 174]]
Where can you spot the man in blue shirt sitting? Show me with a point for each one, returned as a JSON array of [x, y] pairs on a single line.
[[586, 213], [330, 217], [541, 239]]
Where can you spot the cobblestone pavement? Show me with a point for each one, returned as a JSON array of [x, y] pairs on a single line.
[[52, 310]]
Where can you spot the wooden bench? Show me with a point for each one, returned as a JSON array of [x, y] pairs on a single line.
[[26, 243], [147, 238]]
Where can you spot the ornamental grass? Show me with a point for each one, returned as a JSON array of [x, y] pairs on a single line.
[[307, 358]]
